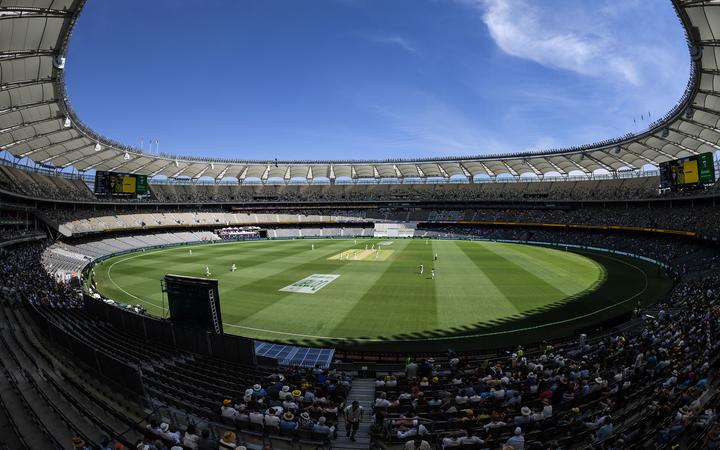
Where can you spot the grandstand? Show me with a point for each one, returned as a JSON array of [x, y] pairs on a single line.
[[82, 370]]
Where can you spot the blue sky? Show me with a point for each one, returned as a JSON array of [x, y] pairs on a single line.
[[321, 79]]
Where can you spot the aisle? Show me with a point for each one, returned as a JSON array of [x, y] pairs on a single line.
[[363, 390]]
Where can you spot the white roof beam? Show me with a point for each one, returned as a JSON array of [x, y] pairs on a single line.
[[580, 167], [533, 168], [643, 157], [222, 173], [465, 171], [398, 174], [487, 169], [619, 159], [201, 173], [442, 171], [179, 172], [512, 171], [134, 171], [27, 124], [677, 144], [169, 163], [695, 138], [557, 168], [243, 174], [655, 149]]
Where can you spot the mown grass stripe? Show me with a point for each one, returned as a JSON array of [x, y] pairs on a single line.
[[462, 288]]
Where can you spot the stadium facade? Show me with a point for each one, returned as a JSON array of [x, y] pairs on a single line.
[[631, 370], [37, 120]]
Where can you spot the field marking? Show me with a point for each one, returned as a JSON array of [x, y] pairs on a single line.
[[440, 338], [362, 255], [310, 284]]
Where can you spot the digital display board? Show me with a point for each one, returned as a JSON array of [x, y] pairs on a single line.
[[120, 184], [691, 172]]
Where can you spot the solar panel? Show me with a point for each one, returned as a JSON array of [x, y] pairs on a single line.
[[290, 355]]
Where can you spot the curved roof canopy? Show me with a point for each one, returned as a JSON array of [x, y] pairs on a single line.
[[37, 121]]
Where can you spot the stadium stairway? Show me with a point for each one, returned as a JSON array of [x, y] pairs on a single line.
[[363, 390]]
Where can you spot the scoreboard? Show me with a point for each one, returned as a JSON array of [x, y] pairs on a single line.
[[691, 172], [120, 184]]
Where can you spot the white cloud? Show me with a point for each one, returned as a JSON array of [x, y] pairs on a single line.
[[397, 41], [524, 31]]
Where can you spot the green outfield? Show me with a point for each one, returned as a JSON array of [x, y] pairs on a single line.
[[313, 291]]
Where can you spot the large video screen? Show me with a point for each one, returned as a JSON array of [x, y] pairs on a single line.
[[120, 184], [691, 172]]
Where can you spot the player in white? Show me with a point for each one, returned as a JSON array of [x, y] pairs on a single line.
[[432, 273], [422, 269], [190, 251], [435, 256], [207, 271], [312, 246], [233, 268]]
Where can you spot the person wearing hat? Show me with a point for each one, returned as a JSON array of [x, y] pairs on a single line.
[[258, 391], [525, 416], [288, 421], [170, 433], [517, 440], [284, 392], [304, 421], [227, 410], [353, 416]]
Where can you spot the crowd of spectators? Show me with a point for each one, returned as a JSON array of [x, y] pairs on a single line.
[[699, 219], [291, 403], [42, 186], [651, 383], [648, 385]]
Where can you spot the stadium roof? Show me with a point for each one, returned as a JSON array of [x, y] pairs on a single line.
[[37, 121]]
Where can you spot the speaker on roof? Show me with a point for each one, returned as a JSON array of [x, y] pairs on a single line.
[[696, 53], [98, 147], [67, 122], [59, 62], [617, 149], [582, 156], [689, 112], [665, 132]]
